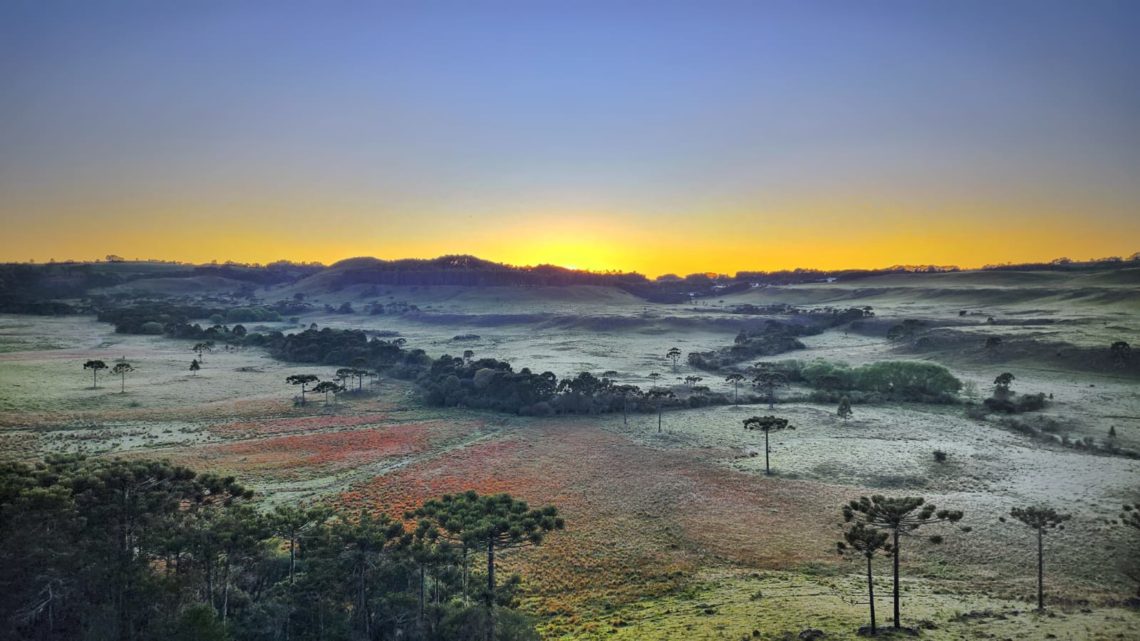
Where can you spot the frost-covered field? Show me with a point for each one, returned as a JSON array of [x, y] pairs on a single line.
[[670, 535]]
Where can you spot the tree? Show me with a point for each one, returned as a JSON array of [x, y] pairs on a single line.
[[659, 394], [303, 380], [324, 387], [194, 367], [767, 379], [344, 374], [1040, 518], [121, 370], [844, 409], [468, 355], [201, 348], [358, 371], [767, 424], [900, 517], [1002, 384], [690, 381], [289, 522], [673, 354], [626, 391], [94, 366], [861, 540], [1121, 353], [493, 523], [735, 379]]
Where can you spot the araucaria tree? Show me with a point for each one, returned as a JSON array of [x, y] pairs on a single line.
[[659, 394], [862, 540], [735, 379], [767, 424], [303, 380], [673, 354], [626, 391], [201, 348], [121, 370], [194, 367], [325, 387], [1040, 518], [491, 523], [767, 379], [898, 517], [94, 366]]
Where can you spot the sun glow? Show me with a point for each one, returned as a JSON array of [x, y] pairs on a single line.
[[575, 242]]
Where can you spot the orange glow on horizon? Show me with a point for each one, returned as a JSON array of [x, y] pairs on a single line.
[[724, 243]]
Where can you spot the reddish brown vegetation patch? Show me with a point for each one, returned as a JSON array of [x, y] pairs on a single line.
[[324, 452], [639, 519]]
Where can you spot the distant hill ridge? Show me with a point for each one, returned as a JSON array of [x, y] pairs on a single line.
[[23, 285]]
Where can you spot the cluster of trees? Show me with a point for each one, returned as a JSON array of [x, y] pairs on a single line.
[[772, 338], [876, 525], [1005, 400], [343, 347], [911, 381], [492, 384], [120, 369], [154, 317], [37, 289], [139, 550]]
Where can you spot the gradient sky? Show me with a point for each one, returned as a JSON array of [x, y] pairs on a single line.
[[651, 136]]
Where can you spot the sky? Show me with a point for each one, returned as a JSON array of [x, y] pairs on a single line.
[[648, 136]]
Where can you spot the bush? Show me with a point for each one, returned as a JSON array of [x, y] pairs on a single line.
[[889, 380], [1015, 404]]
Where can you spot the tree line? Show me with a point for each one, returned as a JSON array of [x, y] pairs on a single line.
[[131, 550]]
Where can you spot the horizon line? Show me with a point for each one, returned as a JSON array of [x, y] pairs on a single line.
[[1059, 261]]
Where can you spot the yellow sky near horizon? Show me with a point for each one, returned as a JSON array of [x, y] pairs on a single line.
[[722, 241]]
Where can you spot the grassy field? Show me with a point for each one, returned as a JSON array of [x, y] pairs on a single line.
[[677, 534]]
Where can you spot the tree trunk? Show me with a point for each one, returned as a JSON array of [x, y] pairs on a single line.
[[871, 594], [292, 555], [465, 574], [490, 572], [767, 470], [895, 552], [658, 417], [1040, 571], [123, 389], [94, 378], [423, 592], [226, 590], [490, 589]]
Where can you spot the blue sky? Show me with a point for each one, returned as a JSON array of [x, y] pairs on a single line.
[[424, 128]]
